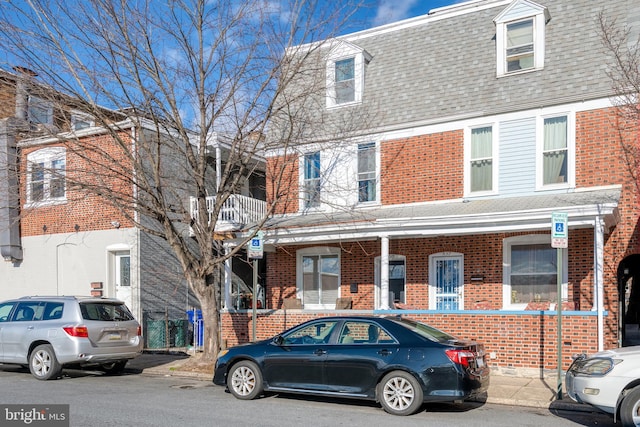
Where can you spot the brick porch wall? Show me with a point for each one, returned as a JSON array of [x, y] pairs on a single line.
[[518, 339]]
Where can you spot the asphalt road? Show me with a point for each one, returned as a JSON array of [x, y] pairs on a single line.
[[135, 399]]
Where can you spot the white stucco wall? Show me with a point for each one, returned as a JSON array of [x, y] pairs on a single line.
[[66, 264]]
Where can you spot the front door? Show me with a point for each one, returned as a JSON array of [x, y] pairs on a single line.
[[447, 282], [123, 277]]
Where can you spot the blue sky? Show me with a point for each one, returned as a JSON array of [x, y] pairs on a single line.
[[387, 11]]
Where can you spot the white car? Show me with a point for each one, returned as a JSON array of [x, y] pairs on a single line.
[[610, 381]]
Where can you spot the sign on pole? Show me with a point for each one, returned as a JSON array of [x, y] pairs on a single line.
[[559, 240], [255, 248], [559, 230]]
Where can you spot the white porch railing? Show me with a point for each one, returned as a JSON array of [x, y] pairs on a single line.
[[236, 212]]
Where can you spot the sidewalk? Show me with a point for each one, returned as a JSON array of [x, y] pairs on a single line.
[[505, 388]]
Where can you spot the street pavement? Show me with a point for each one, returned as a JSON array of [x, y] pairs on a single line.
[[505, 388]]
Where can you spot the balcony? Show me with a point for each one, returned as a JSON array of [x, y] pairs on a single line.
[[236, 213]]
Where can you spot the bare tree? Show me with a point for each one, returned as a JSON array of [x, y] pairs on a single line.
[[622, 46], [178, 72]]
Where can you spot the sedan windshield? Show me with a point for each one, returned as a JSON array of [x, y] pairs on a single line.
[[425, 330]]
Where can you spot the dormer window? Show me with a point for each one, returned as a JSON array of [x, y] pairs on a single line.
[[40, 111], [345, 74], [81, 121], [345, 81], [520, 37], [520, 48]]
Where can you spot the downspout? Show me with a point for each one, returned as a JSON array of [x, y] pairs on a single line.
[[598, 288], [10, 241]]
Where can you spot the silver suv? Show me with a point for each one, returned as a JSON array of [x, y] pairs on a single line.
[[49, 333]]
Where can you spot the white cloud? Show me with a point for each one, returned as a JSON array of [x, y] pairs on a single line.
[[393, 10]]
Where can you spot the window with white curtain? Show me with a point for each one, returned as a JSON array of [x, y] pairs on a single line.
[[555, 151], [481, 158]]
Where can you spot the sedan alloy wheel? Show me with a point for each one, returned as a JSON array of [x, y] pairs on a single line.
[[400, 393], [245, 380]]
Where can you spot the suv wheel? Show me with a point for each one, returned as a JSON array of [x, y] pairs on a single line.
[[43, 363]]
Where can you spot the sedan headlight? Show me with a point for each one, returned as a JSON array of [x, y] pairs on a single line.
[[595, 366], [223, 352]]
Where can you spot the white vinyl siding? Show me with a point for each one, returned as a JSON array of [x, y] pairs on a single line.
[[517, 156]]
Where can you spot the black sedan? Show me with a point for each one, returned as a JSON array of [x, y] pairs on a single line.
[[398, 362]]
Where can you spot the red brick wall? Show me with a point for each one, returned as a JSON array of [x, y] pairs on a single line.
[[7, 99], [483, 255], [523, 340], [422, 168], [83, 207], [598, 149], [282, 183]]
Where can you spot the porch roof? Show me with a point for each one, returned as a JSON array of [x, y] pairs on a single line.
[[457, 217]]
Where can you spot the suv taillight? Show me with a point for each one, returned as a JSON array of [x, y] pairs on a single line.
[[77, 331], [461, 357], [139, 331]]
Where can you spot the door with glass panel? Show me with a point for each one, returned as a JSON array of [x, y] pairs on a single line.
[[448, 283], [123, 277]]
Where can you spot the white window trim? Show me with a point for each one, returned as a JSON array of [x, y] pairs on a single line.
[[342, 51], [377, 173], [506, 270], [77, 116], [319, 250], [539, 24], [432, 277], [571, 152], [45, 155], [495, 139]]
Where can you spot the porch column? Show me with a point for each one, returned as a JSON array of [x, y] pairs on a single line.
[[598, 277], [384, 272], [227, 279]]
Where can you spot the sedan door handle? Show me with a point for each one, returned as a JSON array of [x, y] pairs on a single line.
[[384, 352], [320, 352], [29, 328]]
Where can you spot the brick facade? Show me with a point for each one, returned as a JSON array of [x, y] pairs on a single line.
[[514, 340], [82, 207]]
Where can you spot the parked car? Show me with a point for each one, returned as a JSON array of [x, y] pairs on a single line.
[[608, 380], [49, 333], [398, 362]]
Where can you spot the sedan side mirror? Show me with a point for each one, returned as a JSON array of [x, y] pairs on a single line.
[[278, 340]]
